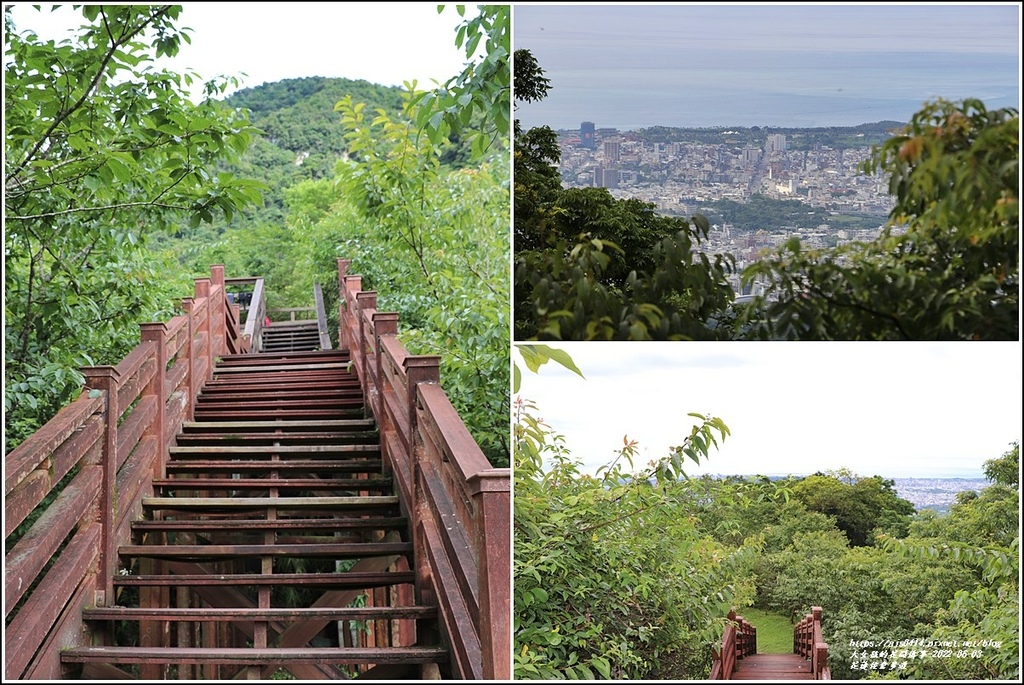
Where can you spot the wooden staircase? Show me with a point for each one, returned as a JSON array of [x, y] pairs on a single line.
[[291, 336], [206, 509], [738, 659], [274, 541], [773, 667]]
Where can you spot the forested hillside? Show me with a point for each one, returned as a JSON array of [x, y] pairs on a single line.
[[115, 203], [629, 572]]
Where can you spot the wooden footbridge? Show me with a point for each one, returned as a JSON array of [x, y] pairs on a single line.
[[243, 501], [738, 658]]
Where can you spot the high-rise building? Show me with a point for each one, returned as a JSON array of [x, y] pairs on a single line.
[[587, 139], [776, 143], [611, 151], [611, 178]]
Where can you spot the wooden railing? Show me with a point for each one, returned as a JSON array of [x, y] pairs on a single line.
[[95, 460], [808, 643], [458, 503], [321, 317], [255, 309], [738, 641]]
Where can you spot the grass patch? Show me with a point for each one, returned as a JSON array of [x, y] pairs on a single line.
[[774, 631]]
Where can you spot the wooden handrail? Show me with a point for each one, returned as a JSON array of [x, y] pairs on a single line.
[[808, 643], [321, 317], [738, 640], [253, 334], [458, 504], [107, 445]]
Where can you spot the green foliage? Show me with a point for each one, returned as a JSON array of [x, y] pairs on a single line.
[[439, 238], [482, 87], [774, 631], [590, 267], [1006, 469], [951, 274], [859, 505], [587, 546], [762, 212], [596, 595], [101, 150], [536, 356]]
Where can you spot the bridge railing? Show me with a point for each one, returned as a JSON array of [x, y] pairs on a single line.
[[84, 473], [458, 503], [808, 643], [738, 640]]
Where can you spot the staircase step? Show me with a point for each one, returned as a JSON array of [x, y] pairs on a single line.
[[317, 465], [773, 667], [343, 424], [322, 394], [273, 449], [267, 414], [227, 369], [321, 525], [352, 580], [283, 357], [254, 657], [253, 438], [234, 503], [277, 483], [202, 614], [333, 550]]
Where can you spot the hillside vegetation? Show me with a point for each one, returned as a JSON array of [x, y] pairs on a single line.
[[630, 572], [117, 201]]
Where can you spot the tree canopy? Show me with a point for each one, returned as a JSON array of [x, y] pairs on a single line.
[[101, 150], [590, 267]]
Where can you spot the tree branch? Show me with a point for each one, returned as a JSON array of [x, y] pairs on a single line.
[[125, 205], [64, 114]]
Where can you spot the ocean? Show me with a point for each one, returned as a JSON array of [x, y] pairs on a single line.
[[766, 88]]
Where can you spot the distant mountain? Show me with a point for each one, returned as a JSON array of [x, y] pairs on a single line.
[[303, 136], [298, 114]]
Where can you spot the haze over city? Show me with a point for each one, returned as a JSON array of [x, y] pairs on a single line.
[[765, 65]]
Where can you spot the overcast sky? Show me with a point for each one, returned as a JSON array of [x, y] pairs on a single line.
[[889, 409], [384, 43], [795, 64]]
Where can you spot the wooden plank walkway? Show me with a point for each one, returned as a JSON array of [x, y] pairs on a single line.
[[773, 667]]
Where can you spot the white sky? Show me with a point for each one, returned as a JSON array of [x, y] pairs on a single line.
[[383, 43], [888, 409]]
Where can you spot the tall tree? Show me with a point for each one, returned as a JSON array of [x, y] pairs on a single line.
[[101, 148]]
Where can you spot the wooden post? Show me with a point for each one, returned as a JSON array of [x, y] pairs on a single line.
[[157, 333], [203, 291], [218, 313], [384, 323], [418, 369], [365, 299], [107, 380], [188, 305], [493, 500]]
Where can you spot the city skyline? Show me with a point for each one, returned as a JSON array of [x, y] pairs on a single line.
[[764, 65]]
